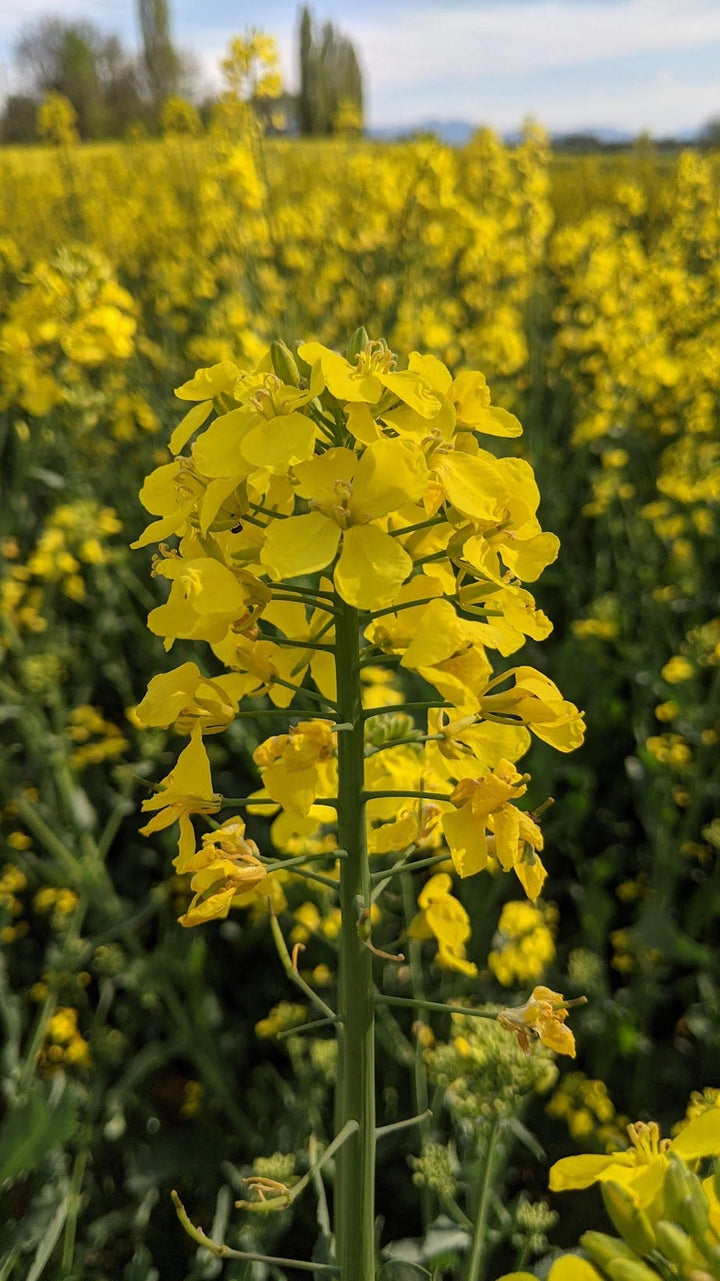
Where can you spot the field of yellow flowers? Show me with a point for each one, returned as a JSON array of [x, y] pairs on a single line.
[[137, 1057]]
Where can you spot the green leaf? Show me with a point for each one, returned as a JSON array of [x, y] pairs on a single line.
[[44, 1119]]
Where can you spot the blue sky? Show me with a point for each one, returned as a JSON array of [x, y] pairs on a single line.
[[635, 64]]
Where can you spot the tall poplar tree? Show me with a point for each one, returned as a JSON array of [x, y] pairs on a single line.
[[331, 90], [162, 64]]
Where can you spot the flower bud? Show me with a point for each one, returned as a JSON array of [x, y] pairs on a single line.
[[675, 1187], [631, 1270], [630, 1220], [358, 342], [673, 1242], [284, 363], [716, 1178], [694, 1217], [604, 1249]]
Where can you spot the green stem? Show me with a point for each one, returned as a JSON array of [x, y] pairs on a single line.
[[408, 604], [307, 1027], [355, 1100], [405, 707], [420, 1083], [308, 693], [382, 1130], [478, 1253], [420, 796], [419, 1003], [68, 1249], [301, 644], [421, 524], [402, 742], [408, 865], [292, 973], [225, 1252]]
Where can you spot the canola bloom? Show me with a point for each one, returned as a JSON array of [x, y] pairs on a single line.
[[331, 514], [316, 482]]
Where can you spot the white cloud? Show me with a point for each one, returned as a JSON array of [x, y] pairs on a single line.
[[465, 47], [500, 38]]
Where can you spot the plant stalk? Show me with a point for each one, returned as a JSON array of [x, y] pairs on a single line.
[[355, 1100]]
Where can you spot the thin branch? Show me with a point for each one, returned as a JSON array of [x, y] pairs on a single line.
[[308, 1027], [296, 644], [408, 865], [292, 973], [382, 1130], [369, 712], [419, 1003], [420, 796], [225, 1251], [403, 742]]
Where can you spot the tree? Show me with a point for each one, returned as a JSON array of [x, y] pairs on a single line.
[[162, 65], [62, 57], [17, 123], [92, 70], [330, 97]]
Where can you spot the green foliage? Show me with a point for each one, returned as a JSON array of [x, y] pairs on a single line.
[[330, 97]]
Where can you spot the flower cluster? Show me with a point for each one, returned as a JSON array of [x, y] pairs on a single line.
[[317, 483]]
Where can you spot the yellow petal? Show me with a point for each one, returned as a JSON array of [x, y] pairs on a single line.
[[299, 545], [318, 478], [193, 419], [581, 1171], [700, 1137], [497, 422], [371, 568], [389, 474], [571, 1268], [280, 443], [465, 834], [473, 484], [217, 451], [209, 382]]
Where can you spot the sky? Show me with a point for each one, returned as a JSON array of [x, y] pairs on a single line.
[[571, 64]]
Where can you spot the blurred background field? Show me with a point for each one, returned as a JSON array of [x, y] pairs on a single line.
[[136, 1057]]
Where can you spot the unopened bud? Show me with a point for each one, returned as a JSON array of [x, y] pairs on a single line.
[[284, 363], [716, 1178], [673, 1242], [358, 343], [675, 1187], [712, 1255], [694, 1217], [631, 1222], [631, 1270], [604, 1249]]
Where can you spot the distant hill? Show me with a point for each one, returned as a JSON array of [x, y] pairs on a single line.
[[457, 132]]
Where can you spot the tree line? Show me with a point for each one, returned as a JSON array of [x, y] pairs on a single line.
[[114, 91]]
